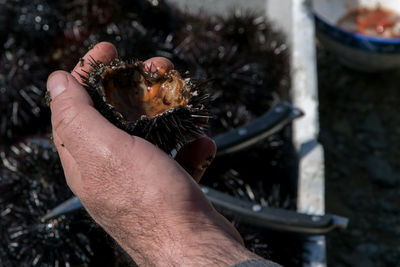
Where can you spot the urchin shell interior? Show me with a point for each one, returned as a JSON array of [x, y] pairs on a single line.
[[159, 106], [135, 93]]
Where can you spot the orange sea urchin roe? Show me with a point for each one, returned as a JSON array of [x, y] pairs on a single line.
[[373, 22], [134, 96]]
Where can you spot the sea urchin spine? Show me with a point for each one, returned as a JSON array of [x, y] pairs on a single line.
[[158, 106]]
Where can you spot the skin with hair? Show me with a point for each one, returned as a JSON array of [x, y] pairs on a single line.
[[147, 201]]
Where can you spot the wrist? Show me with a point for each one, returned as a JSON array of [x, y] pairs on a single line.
[[215, 249], [197, 245]]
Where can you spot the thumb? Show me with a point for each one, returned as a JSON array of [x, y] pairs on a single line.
[[60, 80], [80, 127]]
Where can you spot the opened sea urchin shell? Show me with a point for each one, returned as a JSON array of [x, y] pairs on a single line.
[[158, 106]]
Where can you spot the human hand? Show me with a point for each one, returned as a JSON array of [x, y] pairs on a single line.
[[144, 199]]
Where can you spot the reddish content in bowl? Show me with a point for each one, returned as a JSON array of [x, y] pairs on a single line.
[[377, 22]]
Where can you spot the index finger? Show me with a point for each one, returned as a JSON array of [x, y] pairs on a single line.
[[104, 52]]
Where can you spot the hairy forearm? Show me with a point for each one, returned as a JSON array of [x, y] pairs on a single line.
[[214, 252], [155, 236], [218, 252], [204, 246]]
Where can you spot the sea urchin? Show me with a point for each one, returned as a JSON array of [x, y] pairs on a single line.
[[158, 106]]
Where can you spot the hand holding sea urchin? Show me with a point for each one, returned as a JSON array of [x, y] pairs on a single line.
[[158, 106]]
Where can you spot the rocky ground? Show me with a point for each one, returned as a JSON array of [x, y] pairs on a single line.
[[360, 131]]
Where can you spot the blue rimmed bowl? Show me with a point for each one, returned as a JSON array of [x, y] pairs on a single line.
[[355, 50]]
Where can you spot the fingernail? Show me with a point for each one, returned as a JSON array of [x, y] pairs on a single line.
[[150, 67], [57, 83]]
